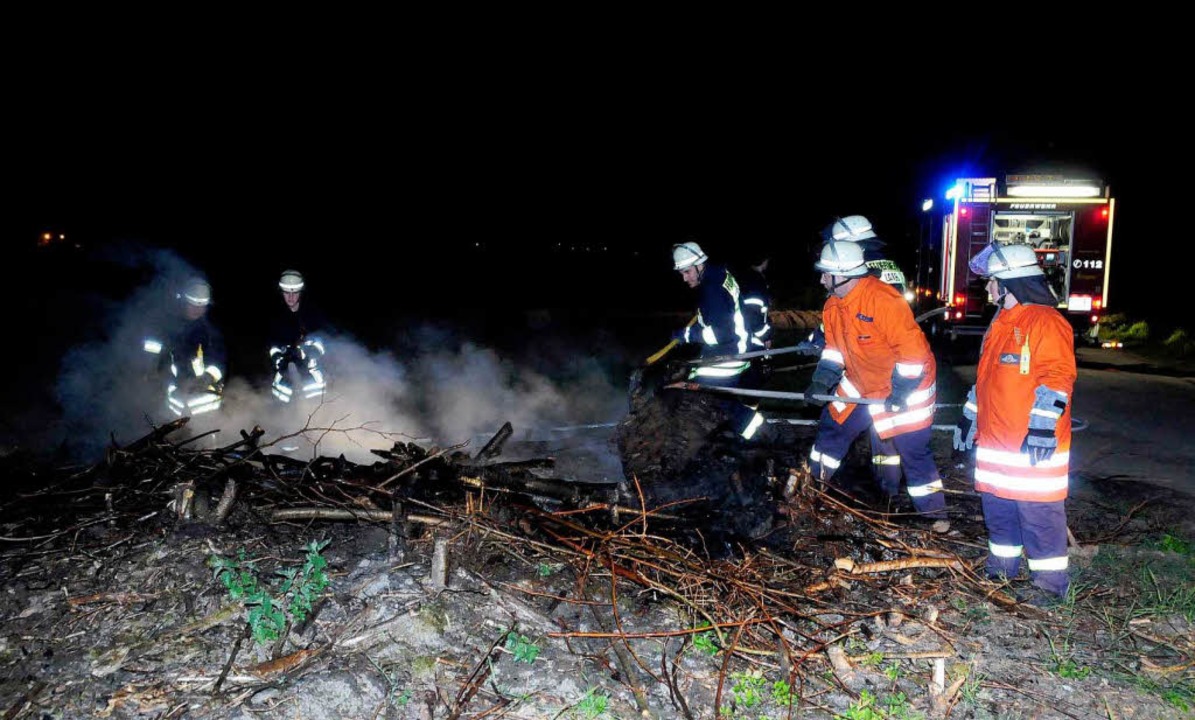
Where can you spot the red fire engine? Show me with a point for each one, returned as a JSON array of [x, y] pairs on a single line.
[[1067, 221]]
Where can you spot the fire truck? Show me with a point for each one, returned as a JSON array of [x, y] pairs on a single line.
[[1066, 220]]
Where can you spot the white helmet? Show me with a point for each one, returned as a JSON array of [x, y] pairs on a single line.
[[842, 258], [851, 228], [197, 292], [1008, 262], [291, 281], [687, 254]]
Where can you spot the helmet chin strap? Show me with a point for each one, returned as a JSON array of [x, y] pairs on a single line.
[[836, 282], [998, 301]]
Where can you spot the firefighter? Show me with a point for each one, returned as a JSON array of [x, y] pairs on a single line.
[[190, 356], [857, 229], [296, 347], [721, 329], [1018, 418], [874, 349], [756, 297]]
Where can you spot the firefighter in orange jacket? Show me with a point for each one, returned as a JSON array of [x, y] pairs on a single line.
[[874, 349], [1018, 418]]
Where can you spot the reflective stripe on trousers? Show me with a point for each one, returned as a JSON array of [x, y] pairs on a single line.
[[1038, 528]]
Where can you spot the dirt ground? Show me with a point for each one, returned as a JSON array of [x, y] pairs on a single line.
[[535, 611]]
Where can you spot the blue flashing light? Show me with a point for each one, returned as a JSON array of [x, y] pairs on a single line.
[[955, 192]]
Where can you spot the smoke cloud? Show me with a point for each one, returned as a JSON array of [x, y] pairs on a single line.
[[450, 390]]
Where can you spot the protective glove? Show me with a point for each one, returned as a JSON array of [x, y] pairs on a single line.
[[825, 376], [1039, 445], [816, 388], [964, 432], [806, 347], [813, 344], [1041, 441], [902, 387]]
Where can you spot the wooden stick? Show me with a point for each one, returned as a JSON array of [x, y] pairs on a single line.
[[850, 566]]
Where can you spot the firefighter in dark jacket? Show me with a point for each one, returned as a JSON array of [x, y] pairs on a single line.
[[1018, 419], [190, 355], [756, 297], [720, 328], [296, 346]]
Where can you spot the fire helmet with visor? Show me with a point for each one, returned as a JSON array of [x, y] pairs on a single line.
[[844, 259], [852, 228], [1005, 262]]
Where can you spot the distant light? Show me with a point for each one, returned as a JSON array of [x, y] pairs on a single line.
[[927, 204], [909, 295], [477, 244], [1104, 213], [958, 315], [1095, 319], [962, 211], [1053, 191]]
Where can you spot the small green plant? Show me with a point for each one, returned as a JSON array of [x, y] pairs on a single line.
[[544, 570], [1118, 327], [892, 671], [1179, 698], [304, 585], [969, 690], [864, 708], [1179, 343], [872, 659], [270, 609], [782, 694], [1166, 600], [1174, 544], [592, 704], [705, 642], [1063, 662], [522, 648], [897, 708], [397, 696], [748, 688]]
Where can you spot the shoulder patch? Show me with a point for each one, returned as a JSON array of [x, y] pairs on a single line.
[[731, 286]]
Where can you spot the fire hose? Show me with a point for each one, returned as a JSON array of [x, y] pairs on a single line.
[[1077, 424]]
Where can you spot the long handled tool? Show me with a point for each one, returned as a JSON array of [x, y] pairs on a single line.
[[777, 394], [1077, 424], [636, 384], [803, 349], [667, 348]]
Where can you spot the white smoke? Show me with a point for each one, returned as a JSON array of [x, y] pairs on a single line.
[[450, 391]]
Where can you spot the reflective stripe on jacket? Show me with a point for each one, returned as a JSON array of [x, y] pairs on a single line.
[[720, 326], [1025, 347], [872, 333]]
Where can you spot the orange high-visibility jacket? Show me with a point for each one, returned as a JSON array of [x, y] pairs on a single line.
[[871, 332], [1026, 347]]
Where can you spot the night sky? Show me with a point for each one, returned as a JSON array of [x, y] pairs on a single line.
[[516, 190]]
